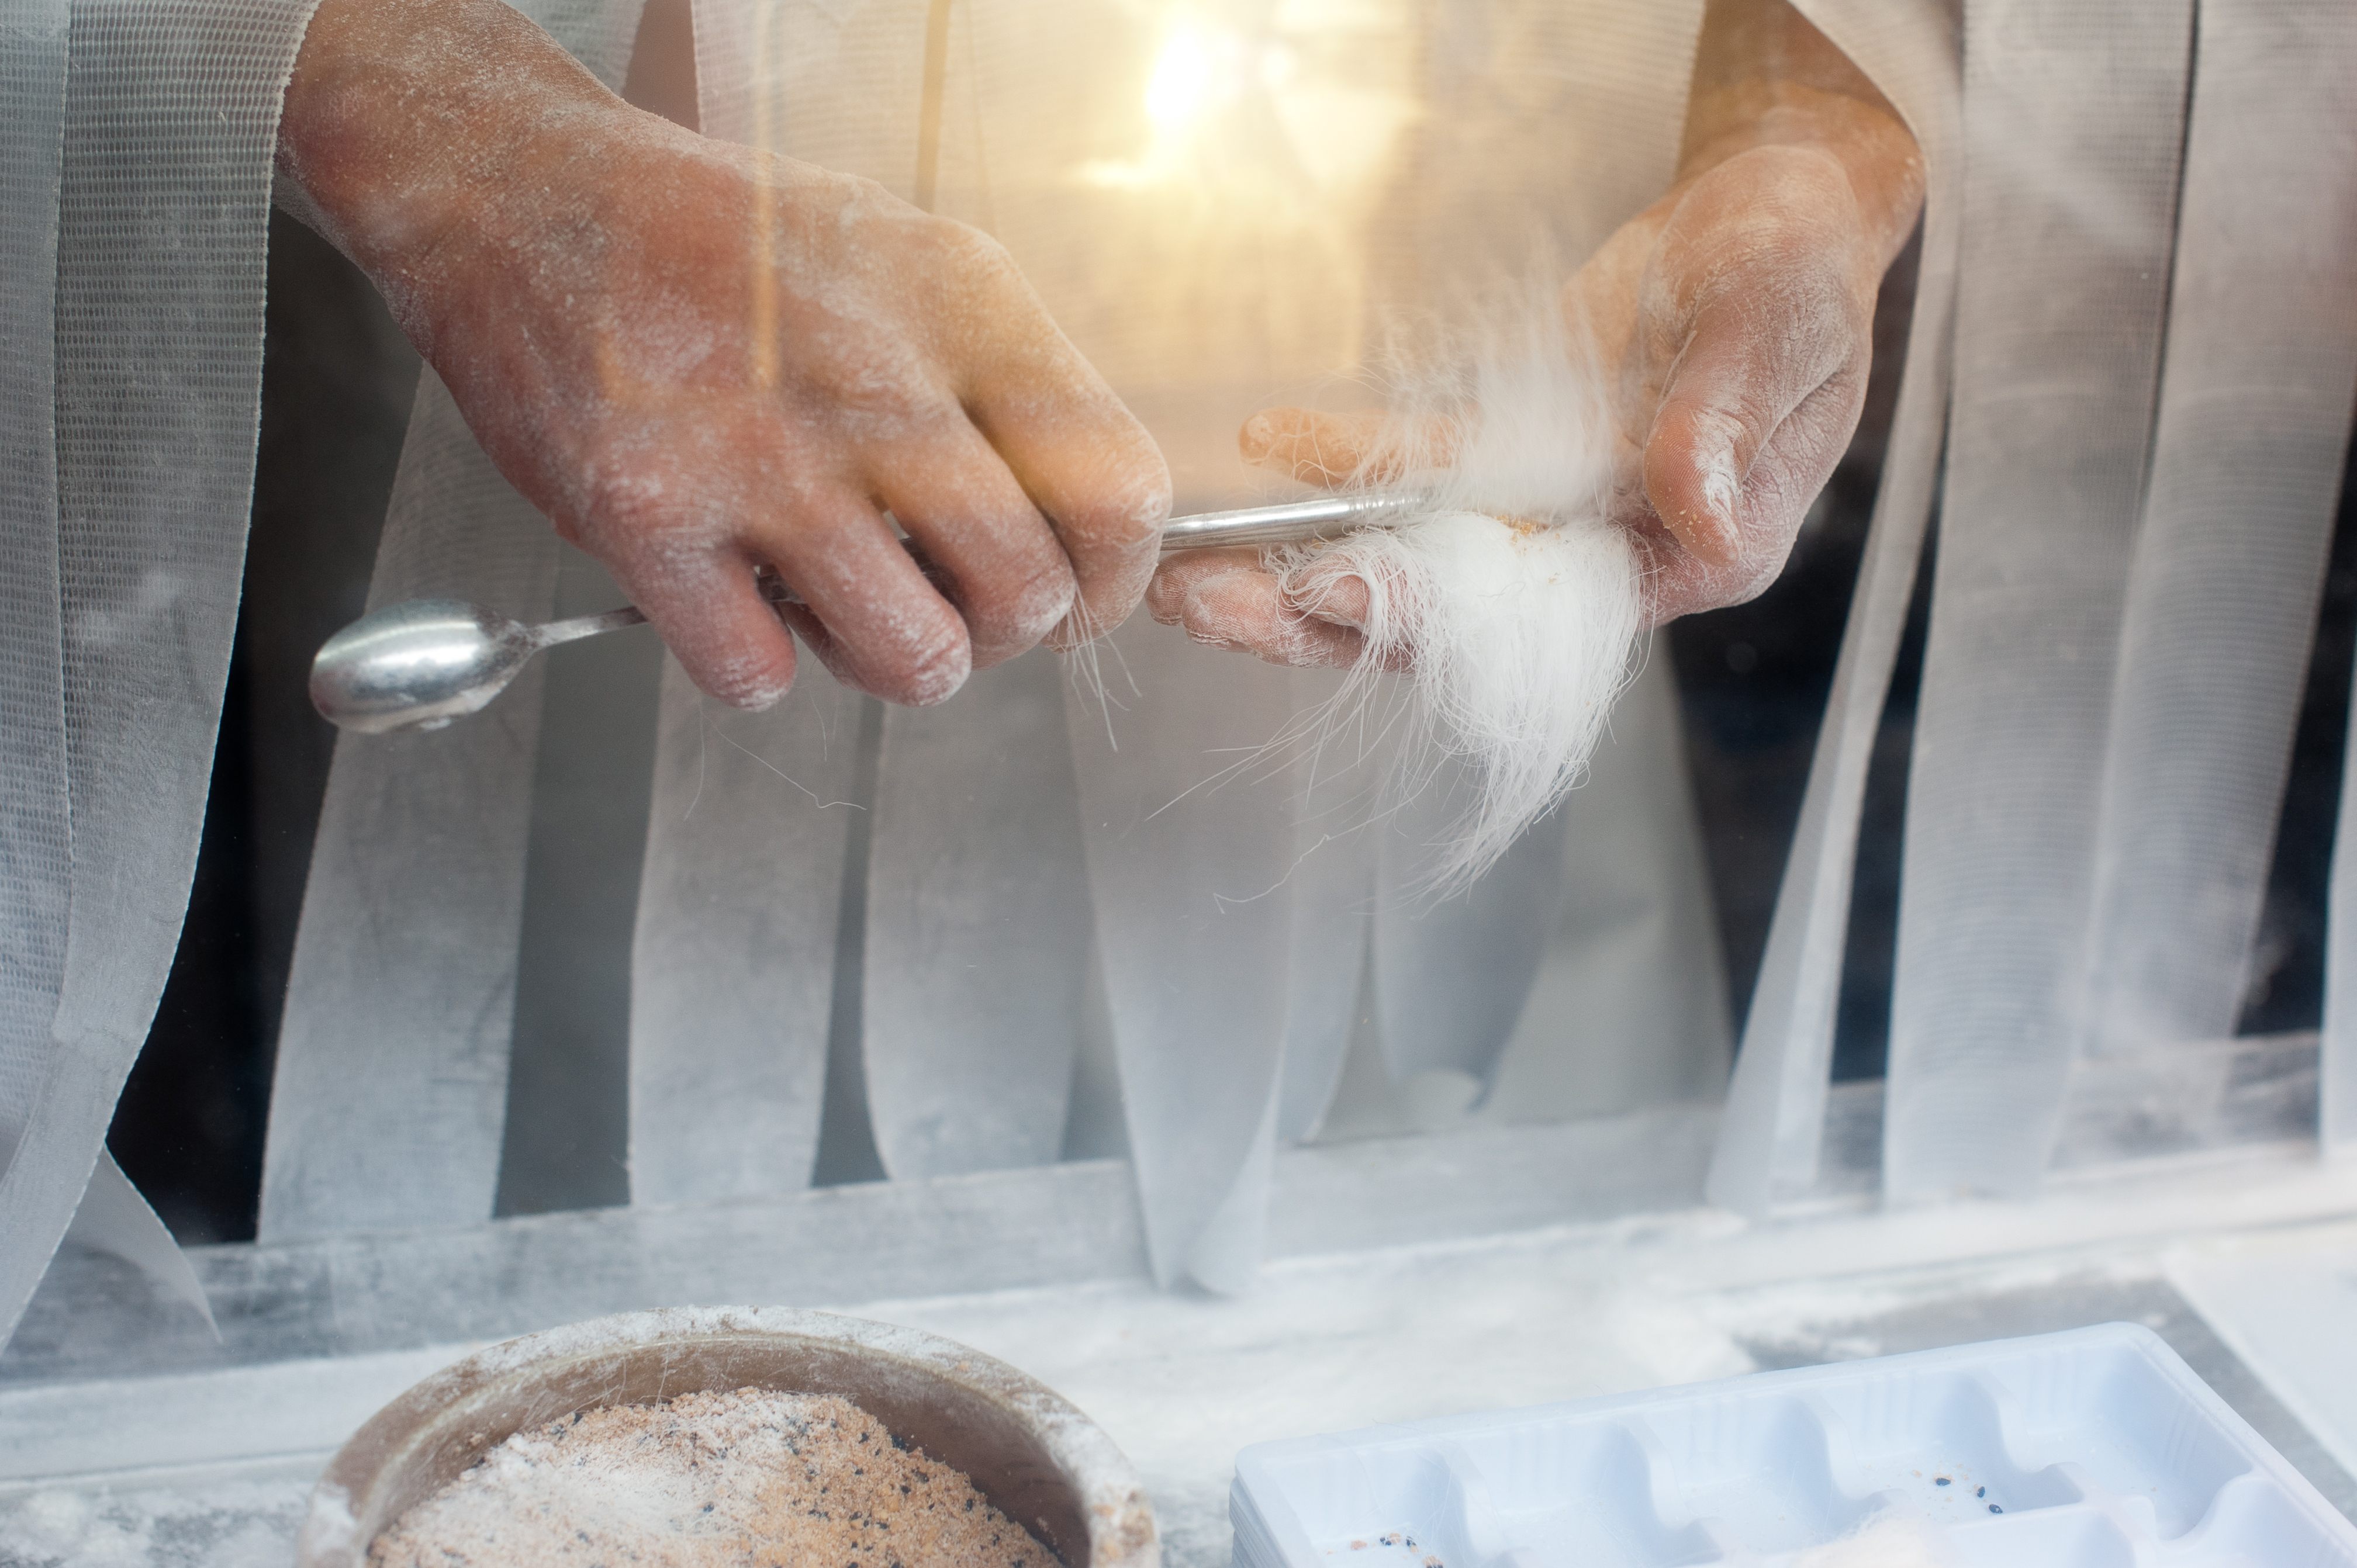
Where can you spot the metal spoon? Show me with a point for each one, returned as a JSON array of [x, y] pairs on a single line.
[[423, 662]]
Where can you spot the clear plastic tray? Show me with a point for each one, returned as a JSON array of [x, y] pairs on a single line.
[[2097, 1448]]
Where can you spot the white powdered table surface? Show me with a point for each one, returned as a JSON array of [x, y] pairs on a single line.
[[209, 1469]]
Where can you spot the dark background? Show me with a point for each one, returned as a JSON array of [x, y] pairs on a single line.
[[338, 381]]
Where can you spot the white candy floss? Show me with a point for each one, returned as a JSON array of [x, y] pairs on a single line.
[[1517, 603]]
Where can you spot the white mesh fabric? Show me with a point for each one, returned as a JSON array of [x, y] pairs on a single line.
[[2337, 1064], [35, 848], [1333, 906], [734, 963], [977, 927], [2247, 453], [161, 199], [1451, 977], [1629, 1006], [734, 958], [389, 1100], [1769, 1141], [1194, 924], [2072, 120]]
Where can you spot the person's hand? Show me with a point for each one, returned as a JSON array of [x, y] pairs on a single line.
[[1732, 321], [699, 360]]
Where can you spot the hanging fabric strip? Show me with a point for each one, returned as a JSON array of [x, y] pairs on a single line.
[[1628, 1008], [1451, 976], [2073, 120], [2337, 1067], [1593, 94], [35, 848], [1769, 1138], [115, 1219], [977, 927], [2253, 432], [1333, 905], [170, 121], [977, 919], [390, 1092], [1189, 853], [733, 964], [1202, 249], [391, 1088]]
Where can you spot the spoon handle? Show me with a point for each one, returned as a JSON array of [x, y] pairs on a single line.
[[551, 633]]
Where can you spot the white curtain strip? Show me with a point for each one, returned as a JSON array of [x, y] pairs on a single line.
[[1627, 1006], [1572, 111], [2310, 50], [978, 926], [2252, 435], [1770, 1139], [113, 1218], [36, 831], [390, 1095], [1200, 265], [978, 918], [1451, 976], [170, 121], [36, 847], [1333, 902], [2337, 1064], [732, 966], [1194, 907], [2073, 119]]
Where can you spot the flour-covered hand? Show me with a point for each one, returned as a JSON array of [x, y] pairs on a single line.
[[700, 359], [1730, 322]]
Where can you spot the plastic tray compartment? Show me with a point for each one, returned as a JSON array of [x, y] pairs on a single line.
[[2097, 1448]]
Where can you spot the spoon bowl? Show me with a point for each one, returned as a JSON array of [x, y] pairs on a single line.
[[417, 665]]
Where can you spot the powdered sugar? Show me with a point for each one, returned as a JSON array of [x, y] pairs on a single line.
[[739, 1477]]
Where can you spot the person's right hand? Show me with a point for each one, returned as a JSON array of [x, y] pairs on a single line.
[[699, 360]]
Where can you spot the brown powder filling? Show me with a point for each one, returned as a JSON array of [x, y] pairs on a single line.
[[750, 1478]]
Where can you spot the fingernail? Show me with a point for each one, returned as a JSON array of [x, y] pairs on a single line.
[[1257, 436], [1208, 616], [1320, 606]]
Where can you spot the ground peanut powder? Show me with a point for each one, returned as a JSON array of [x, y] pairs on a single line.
[[747, 1479]]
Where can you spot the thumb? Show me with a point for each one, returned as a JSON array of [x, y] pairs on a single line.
[[1730, 391]]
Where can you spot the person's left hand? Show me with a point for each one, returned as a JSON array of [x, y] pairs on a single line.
[[1732, 322]]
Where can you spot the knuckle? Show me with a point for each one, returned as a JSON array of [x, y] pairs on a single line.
[[1031, 600], [928, 664], [743, 680]]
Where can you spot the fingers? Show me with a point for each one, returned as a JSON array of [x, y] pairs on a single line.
[[723, 632], [1005, 571], [1083, 459], [1331, 449], [871, 617], [1227, 598], [1315, 448]]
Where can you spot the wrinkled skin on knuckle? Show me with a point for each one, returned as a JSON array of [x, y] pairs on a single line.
[[1763, 258], [1009, 612], [923, 664], [742, 679]]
